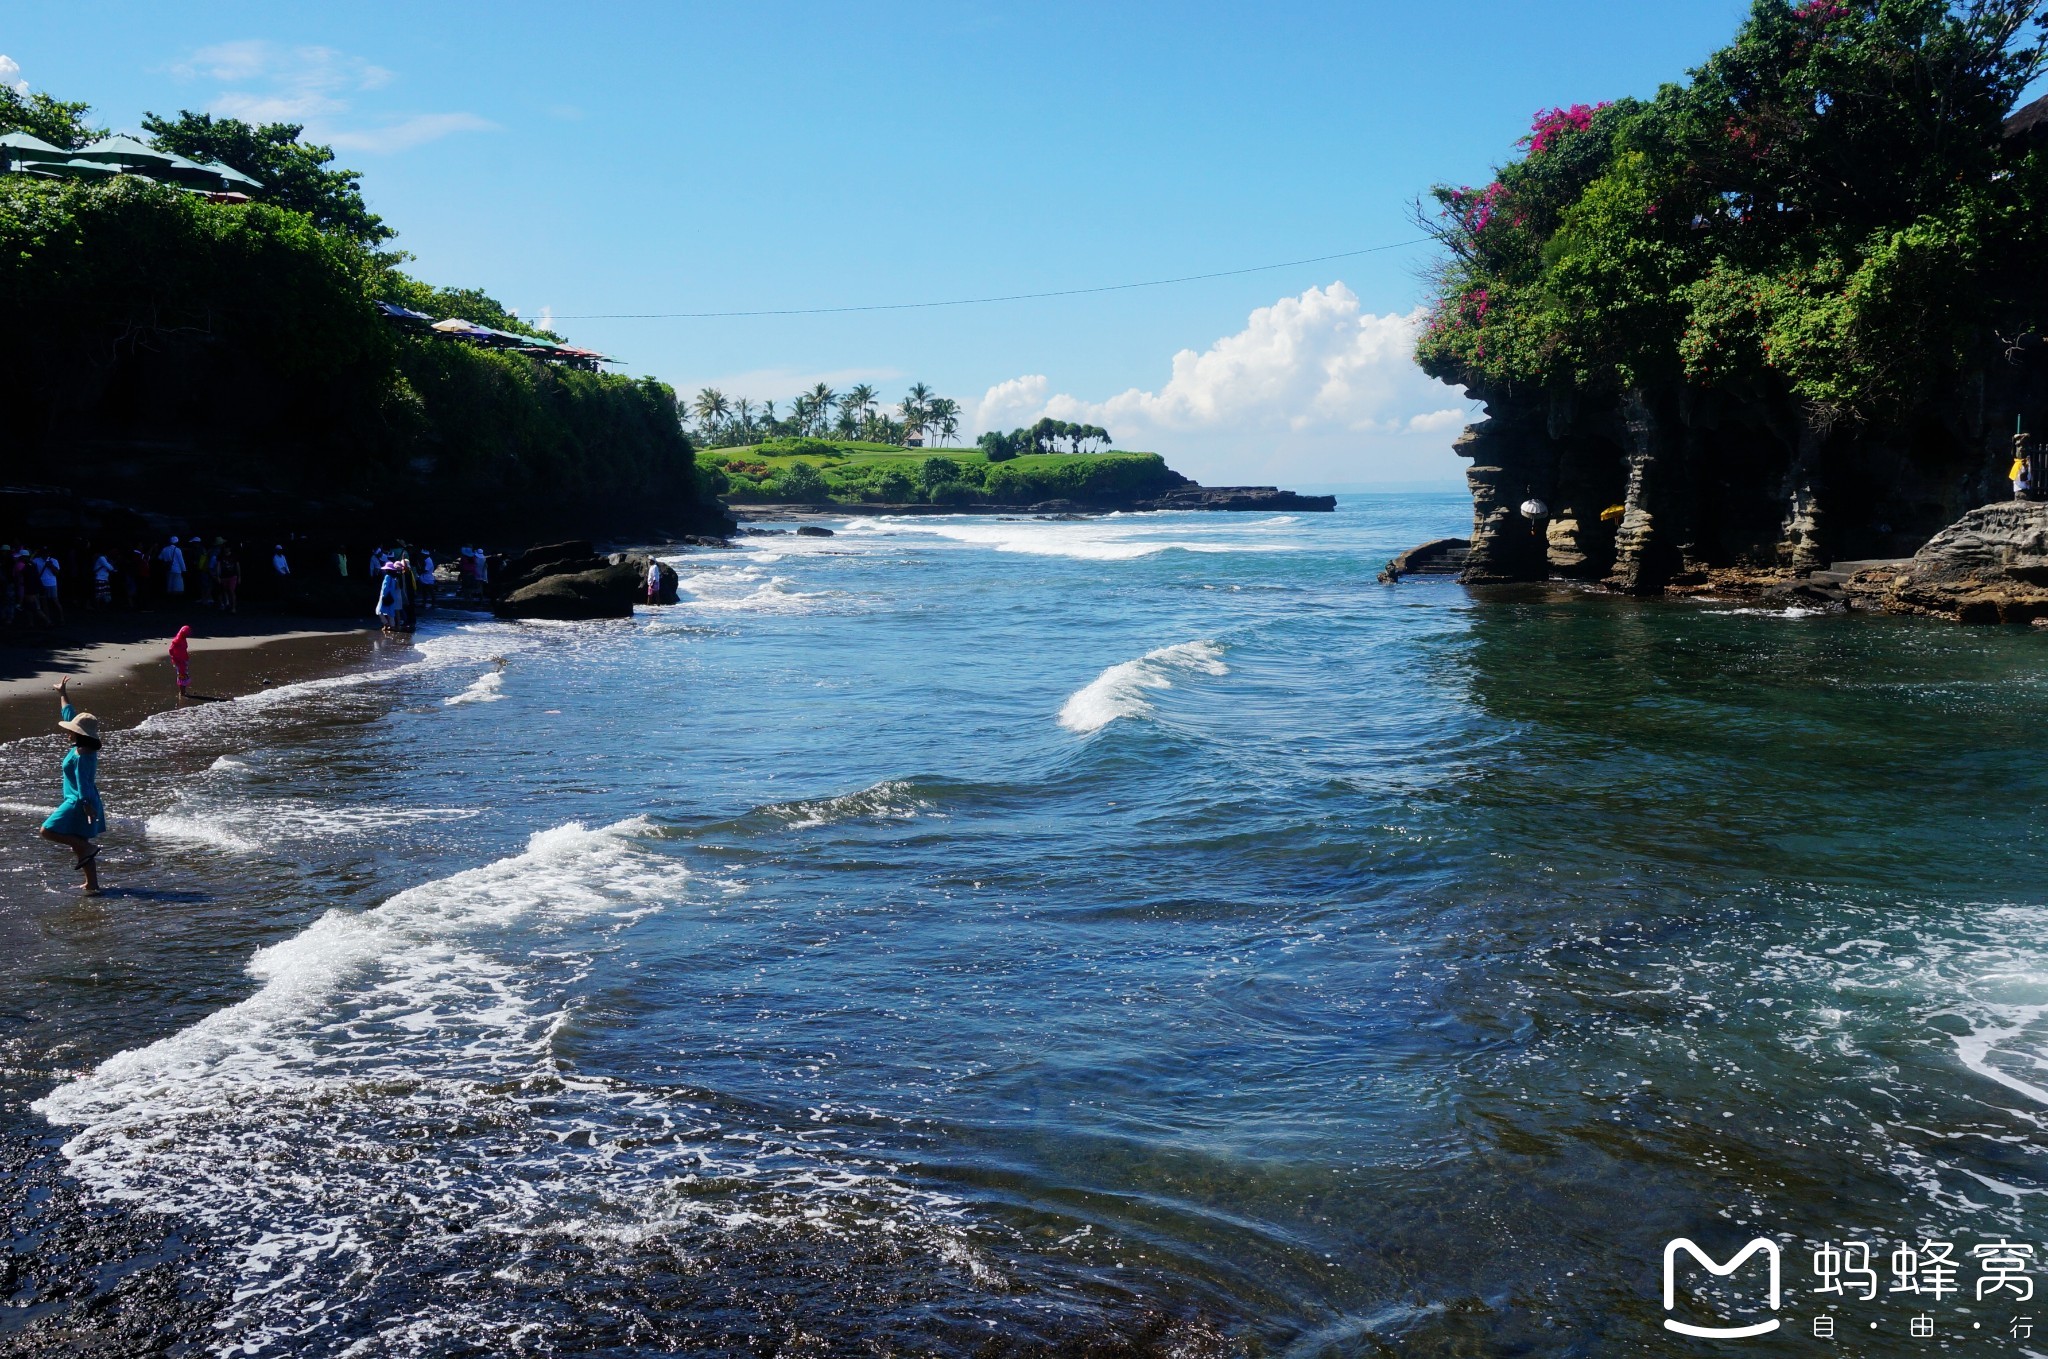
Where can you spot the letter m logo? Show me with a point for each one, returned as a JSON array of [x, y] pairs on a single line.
[[1671, 1250]]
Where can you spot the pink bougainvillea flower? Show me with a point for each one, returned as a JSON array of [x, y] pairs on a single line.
[[1552, 124], [1821, 11]]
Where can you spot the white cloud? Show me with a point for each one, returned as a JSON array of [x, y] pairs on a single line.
[[410, 132], [10, 74], [1436, 421], [1313, 388], [318, 87]]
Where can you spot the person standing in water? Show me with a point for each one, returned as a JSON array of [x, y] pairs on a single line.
[[390, 597], [81, 816], [181, 659]]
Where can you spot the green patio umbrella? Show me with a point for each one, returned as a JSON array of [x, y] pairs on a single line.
[[76, 168], [231, 174], [124, 150], [22, 146]]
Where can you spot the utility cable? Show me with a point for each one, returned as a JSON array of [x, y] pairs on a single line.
[[977, 301]]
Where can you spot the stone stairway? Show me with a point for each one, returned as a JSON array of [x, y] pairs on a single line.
[[1840, 573]]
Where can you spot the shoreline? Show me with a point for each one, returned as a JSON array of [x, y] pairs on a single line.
[[119, 672], [1201, 500]]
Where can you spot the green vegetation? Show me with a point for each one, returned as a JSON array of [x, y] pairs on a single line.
[[294, 174], [815, 470], [725, 422], [1043, 437], [54, 120], [206, 358], [1824, 212]]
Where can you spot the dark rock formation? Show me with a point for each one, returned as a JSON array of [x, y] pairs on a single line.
[[1650, 490], [608, 592], [1990, 566], [1441, 557], [1239, 498], [557, 582], [551, 559], [813, 531]]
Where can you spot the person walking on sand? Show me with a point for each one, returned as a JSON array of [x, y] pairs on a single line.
[[81, 816], [180, 651], [102, 583]]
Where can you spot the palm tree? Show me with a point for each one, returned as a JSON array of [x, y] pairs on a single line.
[[848, 425], [944, 414], [916, 409], [711, 407], [861, 399], [801, 410], [743, 417], [823, 398]]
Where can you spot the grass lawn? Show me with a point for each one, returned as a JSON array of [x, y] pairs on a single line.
[[854, 471]]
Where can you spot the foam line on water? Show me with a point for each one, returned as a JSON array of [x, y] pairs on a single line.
[[485, 688], [406, 1055], [890, 800], [567, 871], [287, 820], [1113, 538], [1120, 691], [747, 589]]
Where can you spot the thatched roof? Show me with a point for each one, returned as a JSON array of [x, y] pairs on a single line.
[[2031, 121]]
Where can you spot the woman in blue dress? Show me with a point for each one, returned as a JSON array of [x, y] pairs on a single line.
[[81, 815]]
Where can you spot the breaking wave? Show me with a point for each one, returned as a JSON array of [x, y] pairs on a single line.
[[1120, 691]]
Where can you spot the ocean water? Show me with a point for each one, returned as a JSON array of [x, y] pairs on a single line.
[[1143, 934]]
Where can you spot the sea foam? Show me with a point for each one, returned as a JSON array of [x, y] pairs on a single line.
[[1108, 539], [399, 1067], [486, 688], [1120, 691]]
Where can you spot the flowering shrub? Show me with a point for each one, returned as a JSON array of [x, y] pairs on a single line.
[[1798, 218], [1553, 124], [1821, 11]]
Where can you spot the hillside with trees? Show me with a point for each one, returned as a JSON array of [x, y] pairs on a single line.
[[188, 356], [821, 471], [1791, 308]]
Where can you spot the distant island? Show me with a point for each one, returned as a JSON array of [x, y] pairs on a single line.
[[874, 477], [847, 450]]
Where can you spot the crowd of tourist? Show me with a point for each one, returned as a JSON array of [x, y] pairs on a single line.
[[38, 584]]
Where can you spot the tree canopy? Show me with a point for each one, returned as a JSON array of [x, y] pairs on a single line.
[[54, 120], [1823, 210], [295, 174]]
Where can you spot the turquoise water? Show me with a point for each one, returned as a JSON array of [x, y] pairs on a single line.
[[1146, 931]]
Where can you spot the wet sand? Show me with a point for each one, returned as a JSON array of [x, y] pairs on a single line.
[[119, 671]]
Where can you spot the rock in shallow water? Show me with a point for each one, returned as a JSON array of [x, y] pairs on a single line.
[[1990, 566]]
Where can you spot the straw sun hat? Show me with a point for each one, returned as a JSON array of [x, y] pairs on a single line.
[[85, 724]]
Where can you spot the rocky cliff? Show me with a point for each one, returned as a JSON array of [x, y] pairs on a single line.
[[1655, 488]]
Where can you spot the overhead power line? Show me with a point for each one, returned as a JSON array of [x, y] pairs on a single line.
[[977, 301]]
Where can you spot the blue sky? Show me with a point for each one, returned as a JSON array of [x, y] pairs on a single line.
[[590, 160]]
